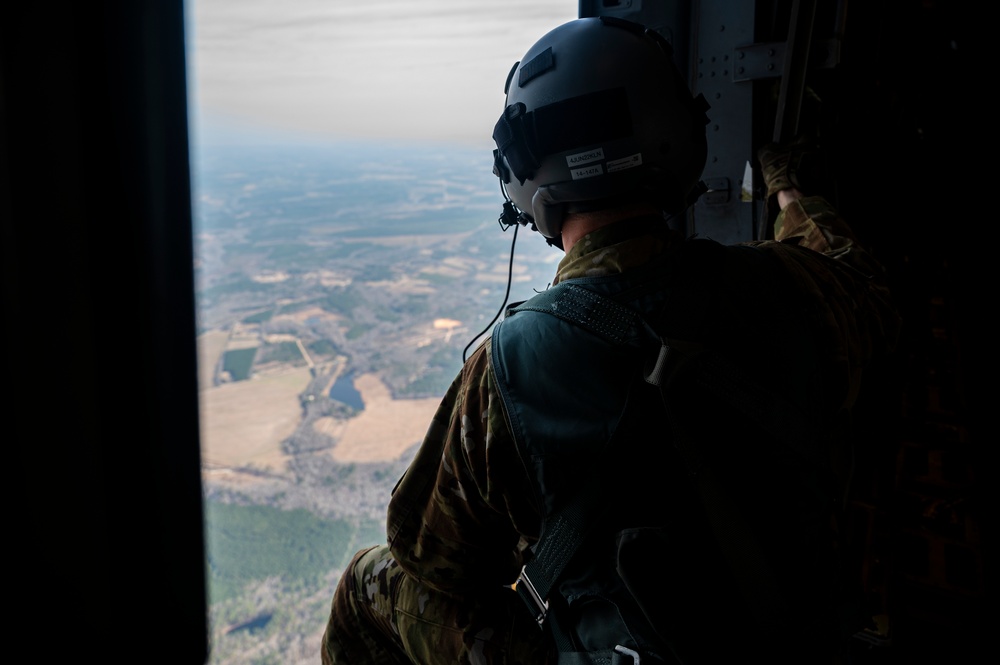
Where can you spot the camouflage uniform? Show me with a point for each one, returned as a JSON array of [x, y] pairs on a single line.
[[461, 520]]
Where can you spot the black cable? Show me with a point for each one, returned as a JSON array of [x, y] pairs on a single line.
[[510, 273]]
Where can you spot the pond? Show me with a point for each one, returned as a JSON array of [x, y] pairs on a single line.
[[343, 390]]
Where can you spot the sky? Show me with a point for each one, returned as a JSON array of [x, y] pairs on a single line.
[[414, 70]]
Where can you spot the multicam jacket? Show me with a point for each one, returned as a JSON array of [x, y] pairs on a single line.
[[463, 517]]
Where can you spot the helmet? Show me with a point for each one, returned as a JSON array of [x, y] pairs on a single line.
[[597, 111]]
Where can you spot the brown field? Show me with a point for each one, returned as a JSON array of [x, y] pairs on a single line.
[[384, 430], [243, 423]]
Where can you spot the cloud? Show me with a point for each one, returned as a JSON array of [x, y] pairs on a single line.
[[397, 69]]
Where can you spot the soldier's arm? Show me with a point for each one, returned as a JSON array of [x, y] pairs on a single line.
[[811, 221], [454, 519], [804, 219], [852, 290]]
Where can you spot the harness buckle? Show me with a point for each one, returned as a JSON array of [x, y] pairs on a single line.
[[529, 594], [625, 651]]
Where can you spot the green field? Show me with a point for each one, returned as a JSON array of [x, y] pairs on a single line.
[[249, 544], [238, 363]]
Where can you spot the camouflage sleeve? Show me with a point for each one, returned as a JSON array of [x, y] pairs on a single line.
[[813, 223], [456, 518]]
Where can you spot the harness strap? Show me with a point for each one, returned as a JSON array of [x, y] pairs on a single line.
[[591, 311], [618, 656]]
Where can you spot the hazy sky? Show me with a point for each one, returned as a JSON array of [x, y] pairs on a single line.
[[412, 69]]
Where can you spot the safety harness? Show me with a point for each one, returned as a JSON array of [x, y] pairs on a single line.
[[670, 365]]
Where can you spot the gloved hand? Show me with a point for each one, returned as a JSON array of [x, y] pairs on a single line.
[[782, 165]]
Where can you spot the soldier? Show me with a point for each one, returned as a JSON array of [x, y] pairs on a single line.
[[601, 145]]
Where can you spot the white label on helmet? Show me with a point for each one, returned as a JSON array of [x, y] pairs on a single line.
[[584, 157], [587, 171], [625, 163]]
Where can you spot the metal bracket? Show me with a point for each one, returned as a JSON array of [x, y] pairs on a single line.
[[718, 191], [760, 61]]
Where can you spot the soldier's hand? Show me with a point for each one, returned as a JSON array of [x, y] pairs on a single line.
[[782, 165]]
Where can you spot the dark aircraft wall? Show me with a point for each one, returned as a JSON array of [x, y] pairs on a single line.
[[904, 126], [105, 508], [910, 149]]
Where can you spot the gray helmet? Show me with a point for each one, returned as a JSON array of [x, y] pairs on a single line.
[[598, 111]]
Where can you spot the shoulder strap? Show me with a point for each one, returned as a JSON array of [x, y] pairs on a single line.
[[587, 309], [564, 530]]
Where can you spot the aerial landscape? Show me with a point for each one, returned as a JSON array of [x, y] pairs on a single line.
[[338, 287]]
